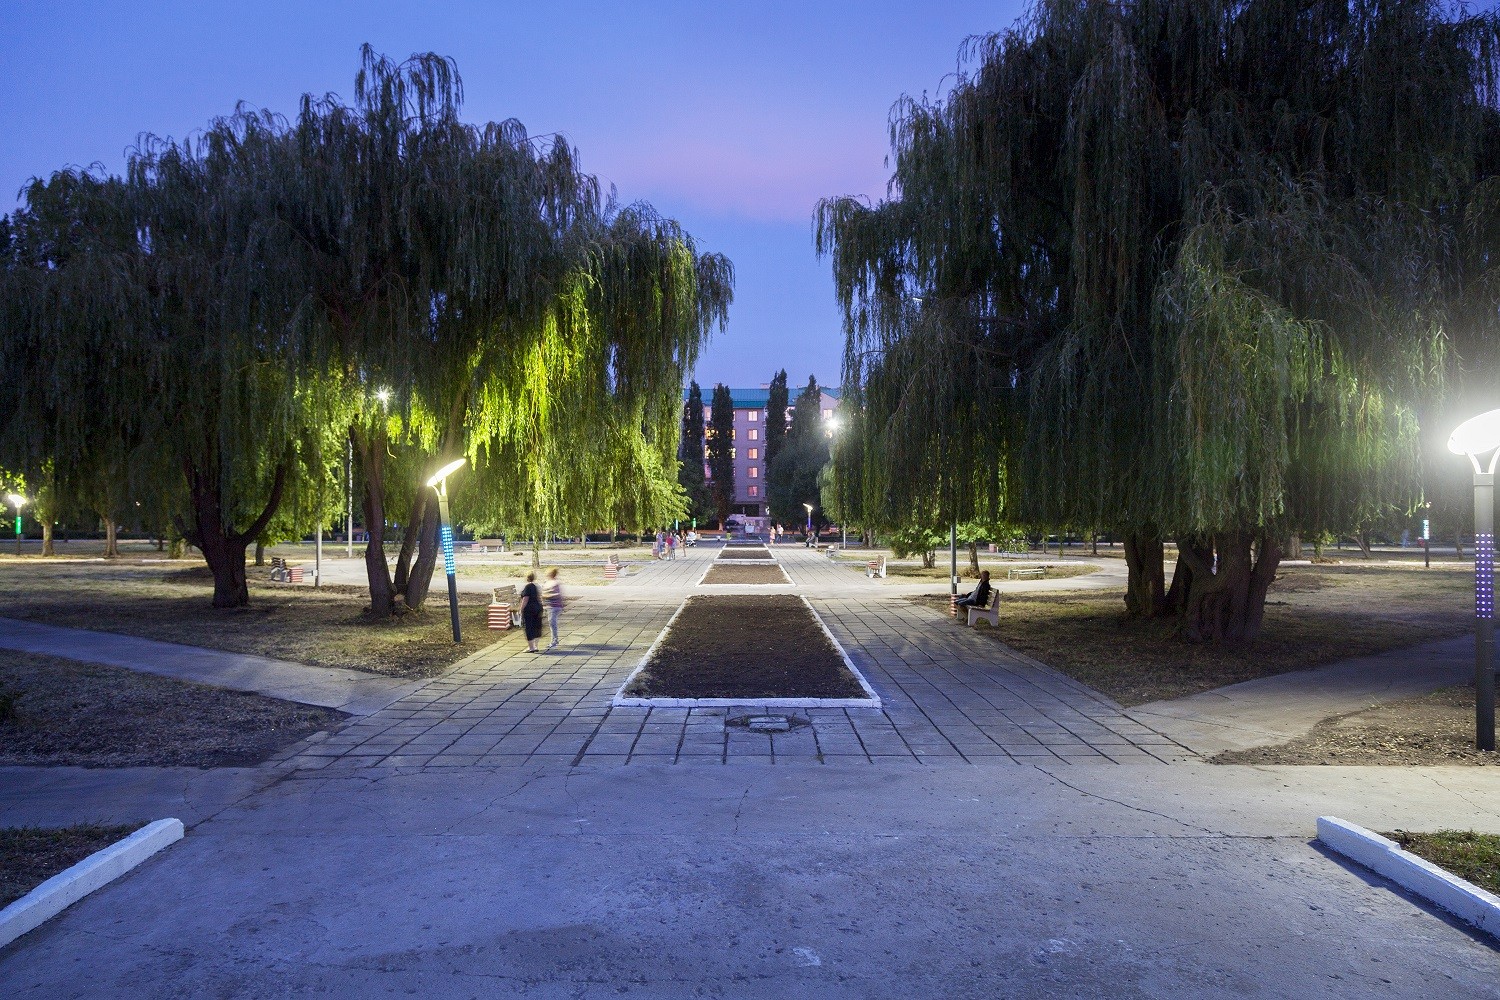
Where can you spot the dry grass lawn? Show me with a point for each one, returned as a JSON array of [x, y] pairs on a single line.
[[62, 712], [326, 626], [1314, 615], [30, 856]]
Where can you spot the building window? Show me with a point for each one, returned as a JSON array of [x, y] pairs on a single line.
[[753, 453], [731, 433], [731, 453], [754, 434], [755, 491], [827, 414], [754, 416], [754, 472]]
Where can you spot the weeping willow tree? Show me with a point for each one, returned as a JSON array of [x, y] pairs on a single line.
[[1189, 271]]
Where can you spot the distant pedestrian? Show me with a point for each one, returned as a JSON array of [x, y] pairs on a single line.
[[531, 612], [671, 546], [552, 597]]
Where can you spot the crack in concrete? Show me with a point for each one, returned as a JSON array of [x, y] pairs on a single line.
[[1134, 808], [1461, 795]]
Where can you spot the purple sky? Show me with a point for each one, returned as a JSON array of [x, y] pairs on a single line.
[[733, 121]]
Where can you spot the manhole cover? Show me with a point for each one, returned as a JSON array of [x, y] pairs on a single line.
[[762, 723]]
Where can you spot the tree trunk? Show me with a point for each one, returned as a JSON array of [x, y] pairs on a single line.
[[370, 450], [416, 514], [414, 579], [1294, 546], [111, 539], [929, 559], [260, 552], [420, 580], [174, 550], [223, 548], [1363, 538], [1227, 602], [1144, 586], [974, 559], [47, 549]]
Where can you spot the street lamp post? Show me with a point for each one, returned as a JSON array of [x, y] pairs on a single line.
[[1481, 436], [17, 501], [439, 482], [810, 543]]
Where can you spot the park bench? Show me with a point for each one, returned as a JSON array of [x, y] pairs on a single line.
[[487, 544], [832, 551], [500, 611], [1026, 573], [875, 567], [612, 567], [283, 573], [990, 614]]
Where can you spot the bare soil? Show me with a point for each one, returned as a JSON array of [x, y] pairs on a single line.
[[1314, 615], [30, 856], [62, 712], [326, 626], [745, 575], [745, 646], [744, 554], [1434, 729], [1054, 571]]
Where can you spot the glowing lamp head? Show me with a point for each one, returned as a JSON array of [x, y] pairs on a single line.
[[809, 507], [16, 500], [446, 471], [1477, 435]]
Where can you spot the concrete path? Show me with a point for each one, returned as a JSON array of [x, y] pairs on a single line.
[[65, 796], [351, 691], [798, 881], [1276, 709]]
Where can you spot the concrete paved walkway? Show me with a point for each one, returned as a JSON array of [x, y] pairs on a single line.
[[352, 691]]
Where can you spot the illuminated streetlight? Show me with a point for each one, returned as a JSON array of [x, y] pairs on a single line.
[[439, 482], [1481, 436], [17, 501]]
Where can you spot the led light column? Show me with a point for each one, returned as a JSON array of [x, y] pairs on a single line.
[[445, 535], [1484, 610]]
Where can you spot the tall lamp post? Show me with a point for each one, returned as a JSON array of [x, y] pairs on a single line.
[[439, 482], [17, 501], [1475, 437], [810, 543]]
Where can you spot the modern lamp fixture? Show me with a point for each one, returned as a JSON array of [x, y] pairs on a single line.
[[439, 482], [17, 501], [1475, 437]]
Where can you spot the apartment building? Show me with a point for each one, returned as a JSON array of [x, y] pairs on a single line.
[[749, 446]]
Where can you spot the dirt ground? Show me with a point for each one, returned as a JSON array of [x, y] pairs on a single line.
[[62, 712], [745, 646], [1435, 729], [327, 626], [1314, 615], [745, 574], [30, 856], [745, 554], [905, 573]]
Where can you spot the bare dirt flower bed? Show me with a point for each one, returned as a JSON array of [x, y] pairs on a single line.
[[30, 856], [745, 575], [1314, 615], [61, 712], [745, 646], [744, 554], [1434, 729], [325, 626]]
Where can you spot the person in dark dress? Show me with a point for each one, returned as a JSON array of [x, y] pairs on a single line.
[[979, 597], [531, 612]]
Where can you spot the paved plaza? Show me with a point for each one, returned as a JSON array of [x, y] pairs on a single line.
[[994, 829]]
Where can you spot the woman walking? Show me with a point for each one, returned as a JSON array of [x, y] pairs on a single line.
[[531, 612], [552, 596]]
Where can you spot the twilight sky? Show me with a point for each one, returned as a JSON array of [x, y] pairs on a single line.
[[733, 120]]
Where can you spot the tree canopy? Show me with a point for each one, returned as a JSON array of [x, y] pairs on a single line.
[[1178, 270]]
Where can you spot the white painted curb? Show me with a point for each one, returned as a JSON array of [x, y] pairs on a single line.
[[93, 872], [1463, 899]]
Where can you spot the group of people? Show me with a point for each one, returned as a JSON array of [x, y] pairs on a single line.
[[668, 542], [533, 600]]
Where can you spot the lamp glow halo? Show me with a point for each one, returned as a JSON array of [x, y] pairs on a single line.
[[1477, 435], [447, 471]]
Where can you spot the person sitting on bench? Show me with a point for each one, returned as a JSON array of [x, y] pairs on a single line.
[[979, 597]]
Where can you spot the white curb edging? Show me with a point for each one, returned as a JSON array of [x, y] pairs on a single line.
[[93, 872], [1383, 856]]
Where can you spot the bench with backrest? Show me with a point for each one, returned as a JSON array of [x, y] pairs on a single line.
[[487, 545], [282, 572], [875, 567], [990, 614], [1026, 573]]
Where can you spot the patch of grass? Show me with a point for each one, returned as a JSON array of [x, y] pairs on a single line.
[[1472, 856], [326, 626], [30, 856], [1314, 615], [1433, 729], [91, 715], [1055, 571]]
